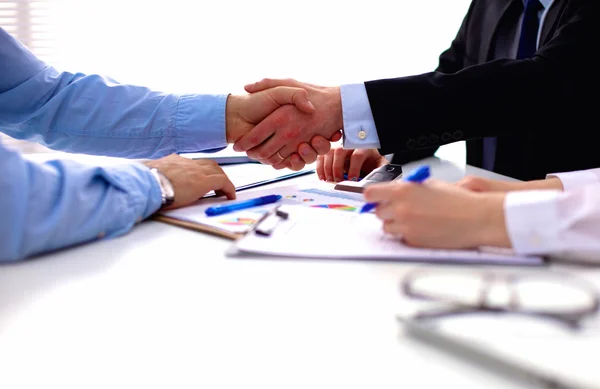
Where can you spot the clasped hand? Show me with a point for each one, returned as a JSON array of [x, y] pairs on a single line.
[[290, 137]]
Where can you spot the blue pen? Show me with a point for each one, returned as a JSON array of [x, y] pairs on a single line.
[[225, 208], [418, 175]]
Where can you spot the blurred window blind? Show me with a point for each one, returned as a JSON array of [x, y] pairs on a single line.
[[29, 21]]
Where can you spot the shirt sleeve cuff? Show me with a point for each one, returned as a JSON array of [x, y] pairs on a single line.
[[144, 195], [200, 123], [359, 126], [532, 221], [576, 179]]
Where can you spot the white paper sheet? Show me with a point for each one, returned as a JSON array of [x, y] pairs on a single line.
[[333, 233]]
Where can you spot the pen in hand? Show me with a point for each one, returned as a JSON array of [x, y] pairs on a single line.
[[418, 175]]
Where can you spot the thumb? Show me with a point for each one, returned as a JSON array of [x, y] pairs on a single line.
[[335, 137], [268, 83], [286, 95]]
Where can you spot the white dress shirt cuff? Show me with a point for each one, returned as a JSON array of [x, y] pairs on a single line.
[[576, 179], [532, 221], [359, 126]]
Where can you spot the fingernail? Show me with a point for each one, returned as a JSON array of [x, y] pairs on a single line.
[[310, 105], [321, 178], [354, 179]]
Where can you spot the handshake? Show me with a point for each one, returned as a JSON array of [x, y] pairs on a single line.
[[284, 123]]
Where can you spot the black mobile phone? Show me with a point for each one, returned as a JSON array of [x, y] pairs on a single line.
[[384, 173]]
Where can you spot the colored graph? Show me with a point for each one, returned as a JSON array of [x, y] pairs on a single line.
[[336, 194], [238, 221], [339, 207]]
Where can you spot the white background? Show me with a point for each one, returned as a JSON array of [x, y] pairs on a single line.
[[218, 46]]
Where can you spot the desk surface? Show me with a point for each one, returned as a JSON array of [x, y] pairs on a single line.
[[164, 307]]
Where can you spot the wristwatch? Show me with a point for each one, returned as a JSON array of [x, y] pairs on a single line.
[[166, 188]]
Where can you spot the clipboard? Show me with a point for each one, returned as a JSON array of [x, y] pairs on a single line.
[[235, 225], [211, 229], [264, 224]]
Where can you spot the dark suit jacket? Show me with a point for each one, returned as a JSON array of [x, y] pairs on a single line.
[[543, 110]]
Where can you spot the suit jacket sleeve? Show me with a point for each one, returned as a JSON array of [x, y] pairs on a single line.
[[450, 61], [446, 105]]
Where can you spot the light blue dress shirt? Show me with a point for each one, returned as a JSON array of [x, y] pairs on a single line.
[[360, 131], [46, 206]]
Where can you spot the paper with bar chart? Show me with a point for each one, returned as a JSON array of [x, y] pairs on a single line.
[[317, 195]]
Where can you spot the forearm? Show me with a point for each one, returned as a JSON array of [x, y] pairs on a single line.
[[96, 115], [488, 222], [564, 181], [61, 203], [550, 183]]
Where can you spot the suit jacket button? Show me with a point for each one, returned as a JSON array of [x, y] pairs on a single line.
[[411, 144], [457, 134], [422, 140], [446, 137], [433, 138]]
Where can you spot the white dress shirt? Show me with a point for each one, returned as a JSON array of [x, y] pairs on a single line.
[[565, 224]]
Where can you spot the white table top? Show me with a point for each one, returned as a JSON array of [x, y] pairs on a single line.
[[164, 307]]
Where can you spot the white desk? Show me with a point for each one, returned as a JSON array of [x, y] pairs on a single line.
[[163, 307]]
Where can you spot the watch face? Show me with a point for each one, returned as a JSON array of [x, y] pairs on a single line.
[[169, 191], [167, 188]]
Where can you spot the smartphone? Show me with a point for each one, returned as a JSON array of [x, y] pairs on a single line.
[[386, 173]]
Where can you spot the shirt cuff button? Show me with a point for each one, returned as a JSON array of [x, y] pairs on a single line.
[[362, 134]]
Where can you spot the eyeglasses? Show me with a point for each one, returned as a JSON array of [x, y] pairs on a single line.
[[560, 297]]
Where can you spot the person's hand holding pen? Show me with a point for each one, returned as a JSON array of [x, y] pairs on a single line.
[[436, 214]]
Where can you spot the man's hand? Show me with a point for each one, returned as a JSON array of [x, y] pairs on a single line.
[[308, 153], [192, 179], [243, 112], [280, 135], [336, 162], [437, 214]]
